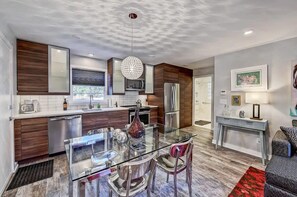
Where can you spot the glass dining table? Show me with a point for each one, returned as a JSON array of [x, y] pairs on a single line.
[[93, 156]]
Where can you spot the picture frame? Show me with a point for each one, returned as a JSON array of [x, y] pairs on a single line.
[[252, 78], [236, 100]]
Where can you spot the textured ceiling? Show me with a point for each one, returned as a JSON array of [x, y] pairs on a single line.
[[173, 31]]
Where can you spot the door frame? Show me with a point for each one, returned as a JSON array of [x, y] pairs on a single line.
[[212, 98], [10, 70]]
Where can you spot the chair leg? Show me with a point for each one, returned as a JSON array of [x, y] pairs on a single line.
[[175, 185], [154, 180], [110, 193], [167, 177], [189, 180], [148, 192]]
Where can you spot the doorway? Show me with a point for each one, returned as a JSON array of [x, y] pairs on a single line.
[[203, 102]]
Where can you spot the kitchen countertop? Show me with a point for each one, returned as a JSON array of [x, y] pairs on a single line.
[[69, 112]]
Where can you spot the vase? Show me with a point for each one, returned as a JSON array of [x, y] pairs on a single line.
[[136, 129]]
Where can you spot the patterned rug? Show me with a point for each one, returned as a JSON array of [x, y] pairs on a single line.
[[251, 184]]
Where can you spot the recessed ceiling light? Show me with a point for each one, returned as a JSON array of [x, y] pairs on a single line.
[[91, 55], [152, 55], [248, 32], [59, 51]]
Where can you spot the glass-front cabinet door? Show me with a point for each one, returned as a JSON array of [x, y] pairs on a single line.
[[149, 79], [115, 78], [58, 70]]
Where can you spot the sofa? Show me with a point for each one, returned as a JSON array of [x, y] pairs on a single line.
[[281, 171]]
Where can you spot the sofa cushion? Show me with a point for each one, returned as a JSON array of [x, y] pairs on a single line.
[[270, 191], [291, 133], [282, 172]]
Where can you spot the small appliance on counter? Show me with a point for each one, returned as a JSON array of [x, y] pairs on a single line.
[[29, 107]]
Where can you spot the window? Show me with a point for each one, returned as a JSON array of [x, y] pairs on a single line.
[[86, 83]]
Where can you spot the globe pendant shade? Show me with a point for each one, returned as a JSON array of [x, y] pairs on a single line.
[[132, 67]]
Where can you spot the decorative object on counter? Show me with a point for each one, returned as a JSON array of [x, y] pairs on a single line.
[[136, 130], [116, 104], [236, 100], [226, 111], [241, 114], [249, 79], [29, 107], [65, 105], [98, 105], [132, 67], [256, 99]]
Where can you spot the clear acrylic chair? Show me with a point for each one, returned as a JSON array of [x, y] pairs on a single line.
[[133, 177], [177, 160]]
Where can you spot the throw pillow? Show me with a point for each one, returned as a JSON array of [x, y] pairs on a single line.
[[291, 133]]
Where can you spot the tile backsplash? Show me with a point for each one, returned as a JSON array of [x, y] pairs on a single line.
[[55, 103]]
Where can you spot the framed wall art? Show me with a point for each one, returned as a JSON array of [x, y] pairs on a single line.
[[236, 100], [293, 108], [249, 79]]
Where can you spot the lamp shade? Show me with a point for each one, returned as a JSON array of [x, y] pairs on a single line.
[[132, 67], [256, 98]]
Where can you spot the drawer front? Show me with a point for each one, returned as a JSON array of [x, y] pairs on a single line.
[[253, 125], [228, 121], [242, 123]]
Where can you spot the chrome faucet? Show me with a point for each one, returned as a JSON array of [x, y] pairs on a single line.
[[91, 106]]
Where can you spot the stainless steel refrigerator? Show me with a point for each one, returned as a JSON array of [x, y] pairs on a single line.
[[171, 104]]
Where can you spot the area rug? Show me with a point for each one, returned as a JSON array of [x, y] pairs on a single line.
[[251, 184], [32, 173]]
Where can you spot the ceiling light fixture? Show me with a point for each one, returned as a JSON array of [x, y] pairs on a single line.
[[248, 32], [91, 55], [59, 51], [132, 67]]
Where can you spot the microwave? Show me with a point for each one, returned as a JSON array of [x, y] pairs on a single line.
[[135, 84]]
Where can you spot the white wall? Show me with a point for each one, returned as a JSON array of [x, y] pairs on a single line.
[[7, 157], [279, 57]]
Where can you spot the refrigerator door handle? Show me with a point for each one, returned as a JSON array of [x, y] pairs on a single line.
[[174, 99]]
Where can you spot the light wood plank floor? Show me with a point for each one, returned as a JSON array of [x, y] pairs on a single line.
[[215, 173]]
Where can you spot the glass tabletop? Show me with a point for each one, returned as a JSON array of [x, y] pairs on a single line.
[[91, 154]]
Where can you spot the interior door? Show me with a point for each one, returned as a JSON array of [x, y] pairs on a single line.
[[6, 134]]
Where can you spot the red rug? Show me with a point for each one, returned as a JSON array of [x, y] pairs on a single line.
[[251, 184]]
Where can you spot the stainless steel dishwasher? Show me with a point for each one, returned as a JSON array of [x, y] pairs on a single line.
[[61, 128]]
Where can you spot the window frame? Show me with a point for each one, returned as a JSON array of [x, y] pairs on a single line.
[[82, 101]]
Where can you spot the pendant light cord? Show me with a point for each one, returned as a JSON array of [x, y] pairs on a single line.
[[132, 36]]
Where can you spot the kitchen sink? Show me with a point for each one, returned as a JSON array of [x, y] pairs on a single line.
[[94, 109]]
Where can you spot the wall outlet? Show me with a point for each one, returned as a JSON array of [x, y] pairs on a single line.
[[258, 141]]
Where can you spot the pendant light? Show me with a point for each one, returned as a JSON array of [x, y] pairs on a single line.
[[132, 67]]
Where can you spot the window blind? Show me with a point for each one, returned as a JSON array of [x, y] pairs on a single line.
[[87, 77]]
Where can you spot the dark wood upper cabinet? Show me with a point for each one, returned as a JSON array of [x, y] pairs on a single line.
[[33, 69], [166, 73]]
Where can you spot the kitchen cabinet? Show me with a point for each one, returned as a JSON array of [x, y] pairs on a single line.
[[115, 79], [42, 69], [58, 70], [31, 138], [116, 119], [166, 73], [149, 79], [32, 68]]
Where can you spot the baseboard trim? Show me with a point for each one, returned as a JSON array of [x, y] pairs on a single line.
[[241, 149]]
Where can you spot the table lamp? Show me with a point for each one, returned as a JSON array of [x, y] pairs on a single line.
[[256, 99]]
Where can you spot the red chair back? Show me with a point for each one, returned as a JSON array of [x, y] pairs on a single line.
[[181, 149]]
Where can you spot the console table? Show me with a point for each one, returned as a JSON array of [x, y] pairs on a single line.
[[245, 124]]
